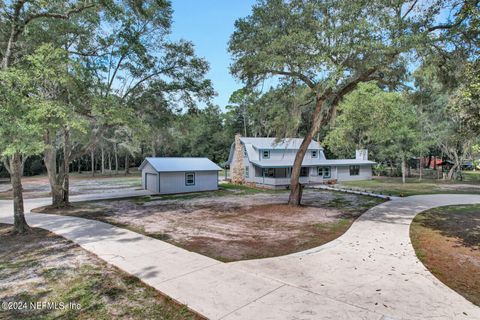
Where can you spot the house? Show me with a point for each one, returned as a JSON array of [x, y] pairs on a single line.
[[265, 162], [179, 175]]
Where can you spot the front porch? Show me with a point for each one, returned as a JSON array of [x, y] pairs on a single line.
[[280, 177]]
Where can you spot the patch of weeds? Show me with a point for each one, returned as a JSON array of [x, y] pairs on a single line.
[[339, 203], [334, 227], [159, 235]]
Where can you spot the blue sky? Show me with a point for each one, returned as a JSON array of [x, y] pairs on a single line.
[[209, 24]]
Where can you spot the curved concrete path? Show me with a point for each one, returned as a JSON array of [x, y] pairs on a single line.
[[370, 272]]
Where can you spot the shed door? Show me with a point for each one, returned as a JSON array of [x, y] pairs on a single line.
[[151, 181]]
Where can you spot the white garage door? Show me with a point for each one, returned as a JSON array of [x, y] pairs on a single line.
[[151, 182]]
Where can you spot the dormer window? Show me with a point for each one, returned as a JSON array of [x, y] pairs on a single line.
[[314, 154], [266, 154]]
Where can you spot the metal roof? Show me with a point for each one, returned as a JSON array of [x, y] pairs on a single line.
[[310, 163], [180, 164], [272, 143]]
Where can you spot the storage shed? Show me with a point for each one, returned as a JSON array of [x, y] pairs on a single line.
[[179, 175]]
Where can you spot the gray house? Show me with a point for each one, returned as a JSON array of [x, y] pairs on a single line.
[[179, 175], [265, 162]]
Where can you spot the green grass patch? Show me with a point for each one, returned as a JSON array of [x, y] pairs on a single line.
[[336, 226], [413, 186]]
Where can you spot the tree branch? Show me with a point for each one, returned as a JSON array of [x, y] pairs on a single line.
[[409, 9], [55, 15], [300, 76]]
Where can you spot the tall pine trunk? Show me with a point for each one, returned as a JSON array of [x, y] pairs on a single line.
[[115, 151], [92, 159], [109, 163], [420, 168], [16, 172], [103, 160], [127, 164], [403, 168]]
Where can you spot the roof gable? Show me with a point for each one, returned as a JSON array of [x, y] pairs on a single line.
[[172, 164]]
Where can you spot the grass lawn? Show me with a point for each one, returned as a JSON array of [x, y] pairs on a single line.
[[233, 223], [393, 185], [447, 241], [43, 267]]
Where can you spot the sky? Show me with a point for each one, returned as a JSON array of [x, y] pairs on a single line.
[[209, 24]]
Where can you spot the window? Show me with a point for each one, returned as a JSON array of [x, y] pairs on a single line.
[[324, 172], [269, 172], [314, 154], [304, 172], [190, 179], [247, 172], [354, 170], [266, 154], [245, 152]]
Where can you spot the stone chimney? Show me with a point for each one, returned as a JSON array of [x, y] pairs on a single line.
[[361, 154], [238, 166]]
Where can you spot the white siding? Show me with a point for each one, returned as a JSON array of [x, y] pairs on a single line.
[[364, 174], [174, 182], [148, 169], [288, 154]]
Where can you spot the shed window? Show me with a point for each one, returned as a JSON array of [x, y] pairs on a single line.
[[314, 154], [266, 154], [190, 179], [324, 172], [354, 170], [247, 172]]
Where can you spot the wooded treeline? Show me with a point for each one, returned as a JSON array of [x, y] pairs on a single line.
[[100, 82]]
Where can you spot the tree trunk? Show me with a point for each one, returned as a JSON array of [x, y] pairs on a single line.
[[109, 163], [20, 224], [451, 172], [127, 164], [296, 191], [403, 169], [115, 151], [79, 165], [420, 169], [429, 161], [67, 153], [154, 149], [58, 178], [103, 160], [92, 158]]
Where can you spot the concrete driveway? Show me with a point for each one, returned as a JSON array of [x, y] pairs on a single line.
[[371, 272]]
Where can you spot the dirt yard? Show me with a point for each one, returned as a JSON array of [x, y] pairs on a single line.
[[231, 227], [41, 267], [447, 241], [38, 186]]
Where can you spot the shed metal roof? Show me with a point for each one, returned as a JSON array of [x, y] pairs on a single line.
[[170, 164], [271, 143]]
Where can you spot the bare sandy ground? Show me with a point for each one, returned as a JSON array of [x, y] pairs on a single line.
[[234, 227]]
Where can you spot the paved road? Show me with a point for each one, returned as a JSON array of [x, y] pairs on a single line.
[[371, 272]]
